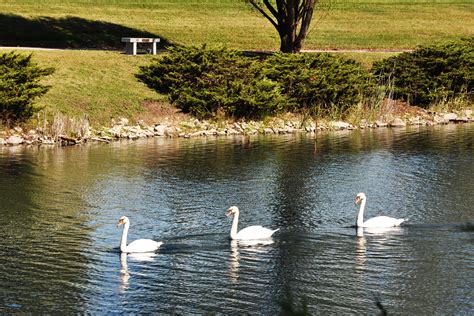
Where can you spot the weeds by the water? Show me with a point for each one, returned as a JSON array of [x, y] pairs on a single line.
[[69, 126], [455, 104], [373, 106]]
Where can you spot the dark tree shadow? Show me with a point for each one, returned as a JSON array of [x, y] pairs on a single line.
[[67, 32]]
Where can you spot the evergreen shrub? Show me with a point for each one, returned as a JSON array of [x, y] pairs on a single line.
[[431, 74], [320, 83], [206, 81], [20, 85]]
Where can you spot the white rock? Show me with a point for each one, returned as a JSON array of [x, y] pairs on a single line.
[[340, 125], [212, 131], [364, 123], [46, 141], [398, 122], [2, 141], [170, 131], [380, 124], [198, 133], [14, 140], [231, 131], [440, 119], [115, 130], [468, 113], [148, 133], [416, 121], [160, 130], [450, 117], [123, 121]]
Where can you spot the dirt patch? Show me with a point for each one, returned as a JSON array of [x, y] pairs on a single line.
[[402, 109], [163, 113]]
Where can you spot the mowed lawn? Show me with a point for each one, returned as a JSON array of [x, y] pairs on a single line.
[[98, 84], [101, 83], [338, 24]]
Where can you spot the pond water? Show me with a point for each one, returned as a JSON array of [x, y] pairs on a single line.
[[60, 206]]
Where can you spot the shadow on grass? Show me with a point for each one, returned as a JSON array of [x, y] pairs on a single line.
[[67, 32]]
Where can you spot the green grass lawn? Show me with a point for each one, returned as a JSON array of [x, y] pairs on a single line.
[[101, 84], [98, 84], [375, 24]]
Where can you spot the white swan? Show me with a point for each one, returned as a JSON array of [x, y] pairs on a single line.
[[140, 245], [379, 221], [251, 232]]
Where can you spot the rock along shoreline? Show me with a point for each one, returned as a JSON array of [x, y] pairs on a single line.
[[204, 128]]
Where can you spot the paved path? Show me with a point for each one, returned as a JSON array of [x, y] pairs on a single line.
[[303, 50]]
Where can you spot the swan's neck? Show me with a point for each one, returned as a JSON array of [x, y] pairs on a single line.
[[233, 229], [360, 214], [123, 240]]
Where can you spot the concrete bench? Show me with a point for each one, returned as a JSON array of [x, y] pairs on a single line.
[[131, 44]]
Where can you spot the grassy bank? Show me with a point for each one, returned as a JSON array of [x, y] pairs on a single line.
[[375, 24], [101, 84], [98, 84]]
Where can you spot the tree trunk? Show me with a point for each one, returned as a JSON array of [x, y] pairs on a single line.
[[287, 41], [286, 17]]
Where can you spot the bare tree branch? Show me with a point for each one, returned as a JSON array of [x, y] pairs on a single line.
[[263, 12]]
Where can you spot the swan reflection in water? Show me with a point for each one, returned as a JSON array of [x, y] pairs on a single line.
[[124, 274], [361, 248], [381, 236], [251, 248]]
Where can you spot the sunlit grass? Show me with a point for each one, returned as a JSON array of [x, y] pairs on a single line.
[[337, 24], [98, 84]]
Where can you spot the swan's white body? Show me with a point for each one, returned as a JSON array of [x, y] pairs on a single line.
[[248, 233], [136, 246], [379, 221]]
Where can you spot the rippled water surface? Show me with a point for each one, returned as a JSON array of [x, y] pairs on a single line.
[[59, 208]]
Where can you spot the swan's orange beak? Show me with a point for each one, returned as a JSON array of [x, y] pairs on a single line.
[[357, 200], [120, 222]]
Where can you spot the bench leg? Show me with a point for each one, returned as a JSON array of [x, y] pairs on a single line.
[[131, 48], [154, 48]]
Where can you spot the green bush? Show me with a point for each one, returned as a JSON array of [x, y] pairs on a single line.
[[20, 86], [205, 81], [431, 74], [321, 83]]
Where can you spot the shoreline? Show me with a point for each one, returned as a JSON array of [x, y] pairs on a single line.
[[289, 124]]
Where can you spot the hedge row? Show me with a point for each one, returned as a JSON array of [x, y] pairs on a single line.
[[206, 81]]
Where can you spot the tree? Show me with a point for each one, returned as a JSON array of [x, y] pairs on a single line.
[[291, 18]]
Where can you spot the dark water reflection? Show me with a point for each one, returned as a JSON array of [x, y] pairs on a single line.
[[59, 242]]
